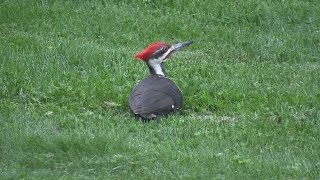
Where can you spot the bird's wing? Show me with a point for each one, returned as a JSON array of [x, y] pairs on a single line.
[[155, 95], [151, 101]]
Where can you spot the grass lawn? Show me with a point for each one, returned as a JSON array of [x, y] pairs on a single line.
[[251, 85]]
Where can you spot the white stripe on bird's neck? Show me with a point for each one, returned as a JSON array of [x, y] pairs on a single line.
[[156, 66]]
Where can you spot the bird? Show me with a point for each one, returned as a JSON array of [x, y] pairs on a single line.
[[156, 96]]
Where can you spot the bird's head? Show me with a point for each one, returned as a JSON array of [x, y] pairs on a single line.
[[157, 53]]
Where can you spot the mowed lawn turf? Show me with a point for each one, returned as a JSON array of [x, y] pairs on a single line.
[[251, 85]]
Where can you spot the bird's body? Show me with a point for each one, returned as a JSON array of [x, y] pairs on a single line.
[[154, 97], [157, 95]]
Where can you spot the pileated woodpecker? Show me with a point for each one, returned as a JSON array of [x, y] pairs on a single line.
[[157, 95]]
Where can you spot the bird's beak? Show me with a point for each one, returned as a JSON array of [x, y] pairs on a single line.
[[178, 46]]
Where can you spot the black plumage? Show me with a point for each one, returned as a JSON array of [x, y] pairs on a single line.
[[155, 97]]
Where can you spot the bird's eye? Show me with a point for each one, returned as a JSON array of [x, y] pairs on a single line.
[[165, 48], [162, 49], [160, 52]]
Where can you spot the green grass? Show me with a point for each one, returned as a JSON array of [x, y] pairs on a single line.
[[251, 85]]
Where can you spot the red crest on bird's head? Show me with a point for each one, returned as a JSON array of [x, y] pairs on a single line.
[[145, 54]]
